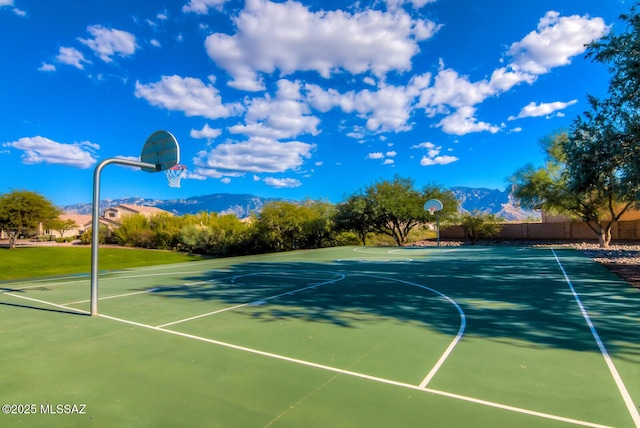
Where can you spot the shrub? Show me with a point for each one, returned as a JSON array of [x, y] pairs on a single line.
[[479, 225]]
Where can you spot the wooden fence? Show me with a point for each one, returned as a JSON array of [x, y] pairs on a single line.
[[568, 230]]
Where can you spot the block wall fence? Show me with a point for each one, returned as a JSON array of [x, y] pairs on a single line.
[[568, 230]]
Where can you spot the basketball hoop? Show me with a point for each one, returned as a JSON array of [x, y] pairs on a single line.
[[434, 206], [174, 174]]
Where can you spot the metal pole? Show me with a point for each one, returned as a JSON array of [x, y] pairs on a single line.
[[95, 221], [438, 227]]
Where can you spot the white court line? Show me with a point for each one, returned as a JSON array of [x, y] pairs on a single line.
[[454, 342], [116, 296], [67, 308], [37, 281], [362, 375], [377, 259], [144, 275], [336, 370], [255, 301], [631, 407]]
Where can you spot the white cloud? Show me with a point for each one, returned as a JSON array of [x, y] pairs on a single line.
[[437, 160], [9, 3], [109, 42], [278, 36], [155, 43], [206, 132], [47, 67], [202, 7], [186, 94], [425, 145], [388, 108], [452, 90], [43, 150], [463, 122], [456, 96], [225, 180], [433, 156], [285, 116], [282, 182], [416, 4], [385, 156], [72, 56], [253, 156], [543, 109], [555, 42]]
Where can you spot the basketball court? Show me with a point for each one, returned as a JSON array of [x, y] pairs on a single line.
[[349, 336]]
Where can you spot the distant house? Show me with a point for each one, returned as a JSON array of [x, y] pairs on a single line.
[[112, 217], [83, 223]]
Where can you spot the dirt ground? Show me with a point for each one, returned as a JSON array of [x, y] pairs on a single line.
[[630, 273]]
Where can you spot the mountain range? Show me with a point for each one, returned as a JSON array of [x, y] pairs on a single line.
[[471, 199]]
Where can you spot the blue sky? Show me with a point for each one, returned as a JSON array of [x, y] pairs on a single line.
[[298, 99]]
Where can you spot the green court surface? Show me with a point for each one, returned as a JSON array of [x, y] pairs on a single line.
[[348, 337]]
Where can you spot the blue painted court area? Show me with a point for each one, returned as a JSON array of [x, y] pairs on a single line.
[[349, 336]]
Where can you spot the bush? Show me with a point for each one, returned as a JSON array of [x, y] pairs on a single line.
[[103, 233], [479, 225]]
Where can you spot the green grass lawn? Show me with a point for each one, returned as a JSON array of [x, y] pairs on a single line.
[[35, 262]]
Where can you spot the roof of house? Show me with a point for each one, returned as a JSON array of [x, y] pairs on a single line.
[[141, 209], [80, 219]]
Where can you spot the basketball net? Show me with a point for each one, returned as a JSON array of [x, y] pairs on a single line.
[[174, 174]]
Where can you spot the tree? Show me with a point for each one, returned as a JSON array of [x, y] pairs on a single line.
[[60, 225], [288, 226], [135, 231], [22, 211], [601, 166], [604, 149], [621, 55], [567, 184], [355, 215], [279, 226], [317, 225], [166, 230], [397, 207], [600, 155], [478, 225]]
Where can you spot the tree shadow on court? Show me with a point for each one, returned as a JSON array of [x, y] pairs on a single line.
[[522, 299], [60, 311]]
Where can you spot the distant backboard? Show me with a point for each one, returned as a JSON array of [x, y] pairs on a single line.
[[433, 205], [160, 149]]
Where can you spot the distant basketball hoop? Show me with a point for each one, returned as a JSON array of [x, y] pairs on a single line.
[[174, 174], [434, 206]]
